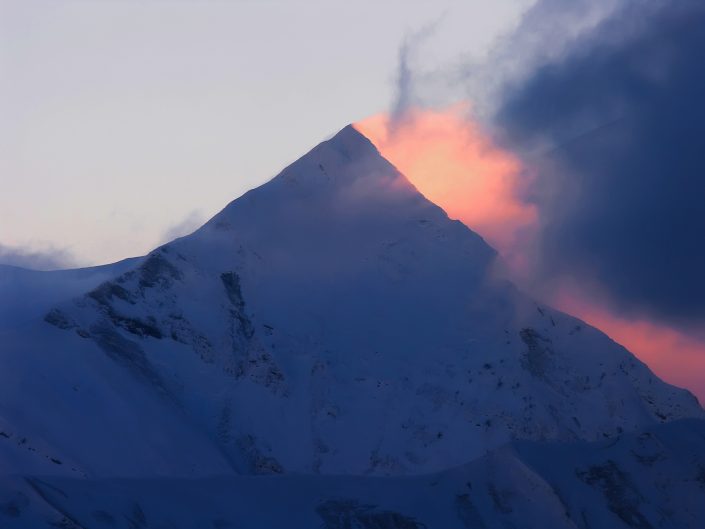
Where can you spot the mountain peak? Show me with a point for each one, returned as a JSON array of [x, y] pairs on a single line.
[[350, 144], [348, 154], [350, 141], [343, 174]]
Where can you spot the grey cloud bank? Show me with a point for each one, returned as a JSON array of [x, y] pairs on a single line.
[[621, 187]]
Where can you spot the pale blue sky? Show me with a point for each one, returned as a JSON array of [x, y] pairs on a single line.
[[123, 122]]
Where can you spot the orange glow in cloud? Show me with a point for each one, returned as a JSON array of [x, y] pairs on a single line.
[[671, 354], [455, 165]]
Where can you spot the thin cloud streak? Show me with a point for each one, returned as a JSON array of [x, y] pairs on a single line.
[[190, 223], [37, 258]]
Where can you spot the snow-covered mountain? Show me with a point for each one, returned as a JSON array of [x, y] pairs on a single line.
[[331, 321], [655, 479]]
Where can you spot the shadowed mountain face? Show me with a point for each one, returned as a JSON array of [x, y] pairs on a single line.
[[650, 480], [330, 321], [26, 295]]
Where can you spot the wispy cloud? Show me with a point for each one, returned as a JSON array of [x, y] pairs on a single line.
[[405, 95], [37, 258], [191, 222]]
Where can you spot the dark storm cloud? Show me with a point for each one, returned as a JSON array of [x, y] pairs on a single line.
[[544, 32], [619, 120]]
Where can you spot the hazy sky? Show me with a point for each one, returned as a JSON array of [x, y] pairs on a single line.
[[123, 123]]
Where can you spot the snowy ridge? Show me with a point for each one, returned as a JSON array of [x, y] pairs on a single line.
[[26, 295]]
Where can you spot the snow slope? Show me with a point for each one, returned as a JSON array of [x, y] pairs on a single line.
[[330, 321], [28, 294], [652, 480]]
